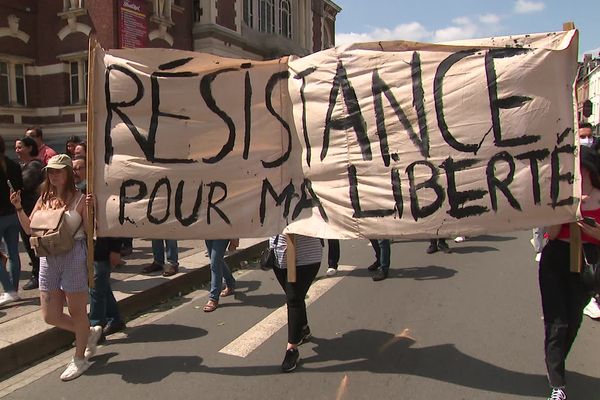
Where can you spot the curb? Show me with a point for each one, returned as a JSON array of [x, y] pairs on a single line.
[[34, 348]]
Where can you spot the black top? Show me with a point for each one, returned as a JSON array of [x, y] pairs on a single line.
[[103, 246], [12, 172], [33, 176]]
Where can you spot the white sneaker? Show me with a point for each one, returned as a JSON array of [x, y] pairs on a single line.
[[92, 344], [459, 239], [331, 272], [76, 367], [538, 257], [8, 297], [558, 394], [592, 310]]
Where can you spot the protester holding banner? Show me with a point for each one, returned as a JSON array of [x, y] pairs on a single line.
[[104, 310], [382, 259], [64, 275], [308, 260], [33, 176], [218, 271], [563, 294]]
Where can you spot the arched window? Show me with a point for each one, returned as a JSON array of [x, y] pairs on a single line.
[[285, 18], [266, 16]]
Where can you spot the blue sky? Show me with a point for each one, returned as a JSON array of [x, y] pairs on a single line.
[[443, 20]]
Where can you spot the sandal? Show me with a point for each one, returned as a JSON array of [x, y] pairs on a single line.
[[228, 291], [152, 268], [210, 306], [170, 270]]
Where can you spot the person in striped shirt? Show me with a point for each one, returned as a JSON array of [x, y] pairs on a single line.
[[308, 261]]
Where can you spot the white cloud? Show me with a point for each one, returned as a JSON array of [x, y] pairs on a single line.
[[463, 27], [411, 31], [489, 19], [528, 6], [593, 51]]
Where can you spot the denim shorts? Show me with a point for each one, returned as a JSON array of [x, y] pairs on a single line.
[[66, 272]]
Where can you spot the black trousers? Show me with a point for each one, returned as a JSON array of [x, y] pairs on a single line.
[[563, 299], [333, 253], [295, 293]]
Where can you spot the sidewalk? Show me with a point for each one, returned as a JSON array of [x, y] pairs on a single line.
[[26, 338]]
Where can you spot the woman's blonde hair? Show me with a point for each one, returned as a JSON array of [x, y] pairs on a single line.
[[49, 191]]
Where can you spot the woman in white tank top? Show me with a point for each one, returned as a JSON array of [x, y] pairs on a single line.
[[65, 275]]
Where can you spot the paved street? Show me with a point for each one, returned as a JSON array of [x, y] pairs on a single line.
[[465, 325]]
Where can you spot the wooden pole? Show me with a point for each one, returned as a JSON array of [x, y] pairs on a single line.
[[90, 157], [291, 257], [575, 231]]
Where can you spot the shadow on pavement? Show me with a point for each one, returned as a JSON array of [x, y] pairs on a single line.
[[160, 333], [472, 249], [430, 272], [147, 370], [492, 238], [385, 353]]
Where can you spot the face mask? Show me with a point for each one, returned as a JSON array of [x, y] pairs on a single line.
[[586, 141], [81, 185]]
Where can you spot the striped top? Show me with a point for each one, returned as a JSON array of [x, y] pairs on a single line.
[[308, 250]]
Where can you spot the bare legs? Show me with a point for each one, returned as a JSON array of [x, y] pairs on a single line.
[[77, 322]]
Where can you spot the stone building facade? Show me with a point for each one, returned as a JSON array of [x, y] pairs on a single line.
[[44, 45]]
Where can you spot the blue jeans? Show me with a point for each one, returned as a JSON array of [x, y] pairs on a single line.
[[382, 252], [9, 231], [158, 251], [218, 267], [103, 305]]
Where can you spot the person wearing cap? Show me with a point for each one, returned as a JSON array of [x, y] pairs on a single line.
[[564, 295], [65, 275]]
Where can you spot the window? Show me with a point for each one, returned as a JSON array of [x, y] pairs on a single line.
[[20, 83], [74, 82], [285, 18], [266, 16], [4, 84], [85, 78], [78, 71], [249, 12], [12, 84], [197, 10]]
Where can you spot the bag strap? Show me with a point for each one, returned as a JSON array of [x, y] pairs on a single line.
[[275, 241], [78, 201]]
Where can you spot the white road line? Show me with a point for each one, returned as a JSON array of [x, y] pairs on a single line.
[[247, 342]]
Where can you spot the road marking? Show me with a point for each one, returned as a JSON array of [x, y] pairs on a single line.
[[249, 341]]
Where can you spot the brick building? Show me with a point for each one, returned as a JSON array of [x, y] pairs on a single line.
[[43, 45], [588, 89]]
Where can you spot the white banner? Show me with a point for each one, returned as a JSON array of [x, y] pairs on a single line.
[[388, 140]]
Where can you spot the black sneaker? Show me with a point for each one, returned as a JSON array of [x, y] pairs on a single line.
[[443, 246], [290, 361], [432, 248], [306, 335], [380, 275], [374, 266], [32, 284]]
